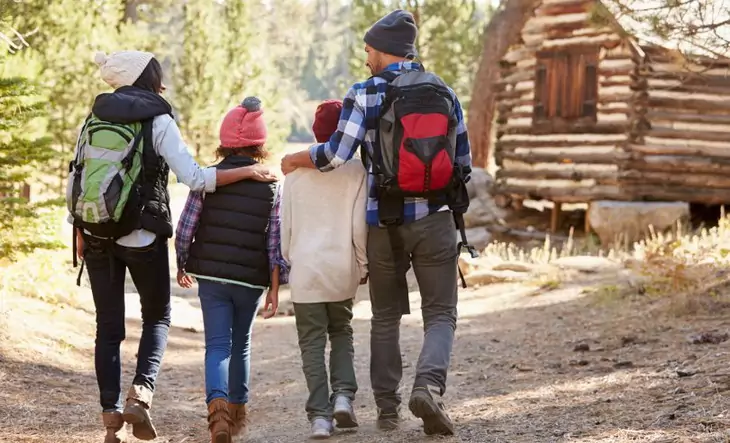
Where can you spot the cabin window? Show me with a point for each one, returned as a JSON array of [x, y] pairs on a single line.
[[566, 86]]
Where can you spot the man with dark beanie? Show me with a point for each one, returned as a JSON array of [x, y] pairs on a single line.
[[426, 231]]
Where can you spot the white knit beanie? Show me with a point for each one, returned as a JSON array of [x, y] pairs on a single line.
[[122, 68]]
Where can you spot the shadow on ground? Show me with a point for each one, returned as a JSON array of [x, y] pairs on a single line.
[[549, 368]]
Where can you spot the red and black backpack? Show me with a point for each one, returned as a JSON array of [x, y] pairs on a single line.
[[415, 152]]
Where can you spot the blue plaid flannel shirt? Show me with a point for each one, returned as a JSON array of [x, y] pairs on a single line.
[[363, 102], [190, 218]]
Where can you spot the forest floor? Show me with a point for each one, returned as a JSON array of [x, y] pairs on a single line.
[[572, 359]]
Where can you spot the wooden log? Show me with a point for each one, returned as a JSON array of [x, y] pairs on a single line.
[[681, 87], [566, 127], [574, 7], [688, 68], [700, 151], [572, 195], [707, 196], [689, 135], [686, 104], [605, 176], [689, 78], [679, 164], [616, 98], [661, 178], [660, 115], [566, 141], [677, 57], [513, 77], [566, 158]]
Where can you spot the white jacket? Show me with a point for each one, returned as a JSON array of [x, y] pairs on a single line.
[[323, 232]]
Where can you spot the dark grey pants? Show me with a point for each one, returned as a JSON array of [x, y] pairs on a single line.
[[315, 321], [430, 246]]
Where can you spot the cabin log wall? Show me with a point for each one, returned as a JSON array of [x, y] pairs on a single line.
[[661, 129], [681, 150], [576, 161]]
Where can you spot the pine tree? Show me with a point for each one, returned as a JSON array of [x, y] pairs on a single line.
[[20, 153], [449, 40]]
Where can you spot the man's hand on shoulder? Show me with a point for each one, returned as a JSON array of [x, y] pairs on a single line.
[[287, 164], [292, 162]]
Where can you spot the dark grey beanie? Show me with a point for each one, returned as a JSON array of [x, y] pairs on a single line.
[[394, 34]]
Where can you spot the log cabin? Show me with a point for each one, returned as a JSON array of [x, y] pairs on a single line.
[[586, 112]]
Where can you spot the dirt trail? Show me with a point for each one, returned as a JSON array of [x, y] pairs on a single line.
[[553, 367], [516, 374]]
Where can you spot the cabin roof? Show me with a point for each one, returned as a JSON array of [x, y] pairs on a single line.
[[638, 25]]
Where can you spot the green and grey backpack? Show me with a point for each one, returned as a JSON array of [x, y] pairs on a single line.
[[103, 191]]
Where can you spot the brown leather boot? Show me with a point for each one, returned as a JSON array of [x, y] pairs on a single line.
[[136, 412], [239, 415], [114, 424], [219, 421]]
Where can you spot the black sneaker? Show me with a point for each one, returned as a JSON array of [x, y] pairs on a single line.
[[388, 419], [431, 411]]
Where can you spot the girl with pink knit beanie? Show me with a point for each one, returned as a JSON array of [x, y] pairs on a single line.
[[230, 242]]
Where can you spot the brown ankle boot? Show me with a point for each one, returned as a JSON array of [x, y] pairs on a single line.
[[114, 424], [239, 415], [219, 421], [136, 412]]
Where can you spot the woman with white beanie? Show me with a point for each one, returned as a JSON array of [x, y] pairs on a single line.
[[138, 242]]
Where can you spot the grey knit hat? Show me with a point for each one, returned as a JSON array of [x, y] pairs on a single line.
[[394, 34]]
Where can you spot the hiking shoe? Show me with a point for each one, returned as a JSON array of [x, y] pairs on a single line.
[[344, 413], [388, 419], [220, 423], [431, 410], [137, 413], [114, 424], [321, 428]]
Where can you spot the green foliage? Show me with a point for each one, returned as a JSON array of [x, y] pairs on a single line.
[[449, 41], [21, 224]]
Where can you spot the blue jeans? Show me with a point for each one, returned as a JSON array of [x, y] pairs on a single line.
[[228, 314]]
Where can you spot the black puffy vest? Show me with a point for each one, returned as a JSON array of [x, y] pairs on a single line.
[[230, 242]]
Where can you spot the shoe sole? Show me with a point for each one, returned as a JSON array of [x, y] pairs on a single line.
[[320, 436], [345, 419], [435, 421], [141, 422]]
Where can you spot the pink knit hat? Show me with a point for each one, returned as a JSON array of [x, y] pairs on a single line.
[[244, 125]]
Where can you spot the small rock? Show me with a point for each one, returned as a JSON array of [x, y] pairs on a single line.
[[579, 363], [514, 266], [628, 340], [686, 372], [482, 208], [582, 347], [586, 263], [192, 329], [712, 338], [488, 277], [623, 365], [629, 221]]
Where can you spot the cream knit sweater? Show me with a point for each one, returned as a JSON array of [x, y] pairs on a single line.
[[323, 232]]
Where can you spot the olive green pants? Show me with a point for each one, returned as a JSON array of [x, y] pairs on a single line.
[[315, 321]]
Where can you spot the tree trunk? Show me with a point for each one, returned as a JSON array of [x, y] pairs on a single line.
[[130, 11], [502, 31]]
